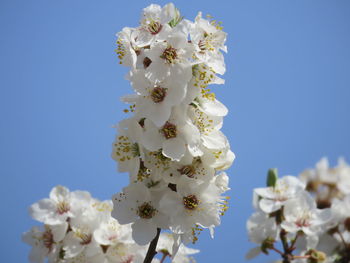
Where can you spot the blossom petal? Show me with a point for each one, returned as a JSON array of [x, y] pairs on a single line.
[[143, 231], [174, 148]]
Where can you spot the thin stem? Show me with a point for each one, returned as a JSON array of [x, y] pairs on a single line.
[[301, 257], [152, 248], [278, 251], [342, 238], [163, 257], [291, 248], [287, 255], [284, 240]]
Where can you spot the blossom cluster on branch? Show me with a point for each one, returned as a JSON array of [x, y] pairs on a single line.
[[305, 219], [77, 228], [172, 147]]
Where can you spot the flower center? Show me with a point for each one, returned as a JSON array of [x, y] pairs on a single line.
[[158, 94], [206, 43], [129, 259], [48, 239], [125, 150], [85, 238], [62, 207], [146, 211], [154, 27], [188, 170], [169, 130], [190, 202], [303, 221], [169, 54]]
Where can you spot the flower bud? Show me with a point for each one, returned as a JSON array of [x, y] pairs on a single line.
[[272, 176], [316, 256]]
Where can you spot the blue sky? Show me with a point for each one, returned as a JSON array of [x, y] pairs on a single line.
[[287, 88]]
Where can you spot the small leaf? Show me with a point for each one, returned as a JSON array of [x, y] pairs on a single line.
[[272, 176]]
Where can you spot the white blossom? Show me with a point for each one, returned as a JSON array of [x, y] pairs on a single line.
[[61, 205], [193, 203], [301, 214], [135, 205], [273, 198], [45, 242]]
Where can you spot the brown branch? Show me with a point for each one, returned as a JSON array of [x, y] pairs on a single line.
[[152, 248]]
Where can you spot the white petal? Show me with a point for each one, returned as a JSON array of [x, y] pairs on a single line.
[[215, 140], [174, 148], [72, 245], [92, 249], [159, 113], [323, 216], [177, 40], [252, 253], [290, 227], [213, 107], [58, 193], [265, 192], [44, 211], [143, 231], [122, 211], [59, 231], [152, 139], [311, 241], [269, 206], [37, 255], [171, 203]]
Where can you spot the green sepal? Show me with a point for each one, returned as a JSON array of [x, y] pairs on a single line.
[[272, 177]]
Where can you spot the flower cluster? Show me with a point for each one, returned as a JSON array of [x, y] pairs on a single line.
[[79, 229], [309, 216], [172, 147]]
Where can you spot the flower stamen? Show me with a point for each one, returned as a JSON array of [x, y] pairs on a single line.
[[158, 94], [188, 170], [169, 55], [190, 202], [169, 130], [62, 207], [154, 27], [146, 211]]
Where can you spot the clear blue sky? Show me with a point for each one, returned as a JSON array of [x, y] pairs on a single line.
[[287, 88]]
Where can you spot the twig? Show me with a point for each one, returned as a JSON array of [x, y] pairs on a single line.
[[278, 251], [163, 257], [291, 248], [301, 257], [152, 248], [287, 255], [342, 238], [284, 240]]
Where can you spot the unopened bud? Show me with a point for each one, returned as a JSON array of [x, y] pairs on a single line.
[[272, 176], [316, 256]]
